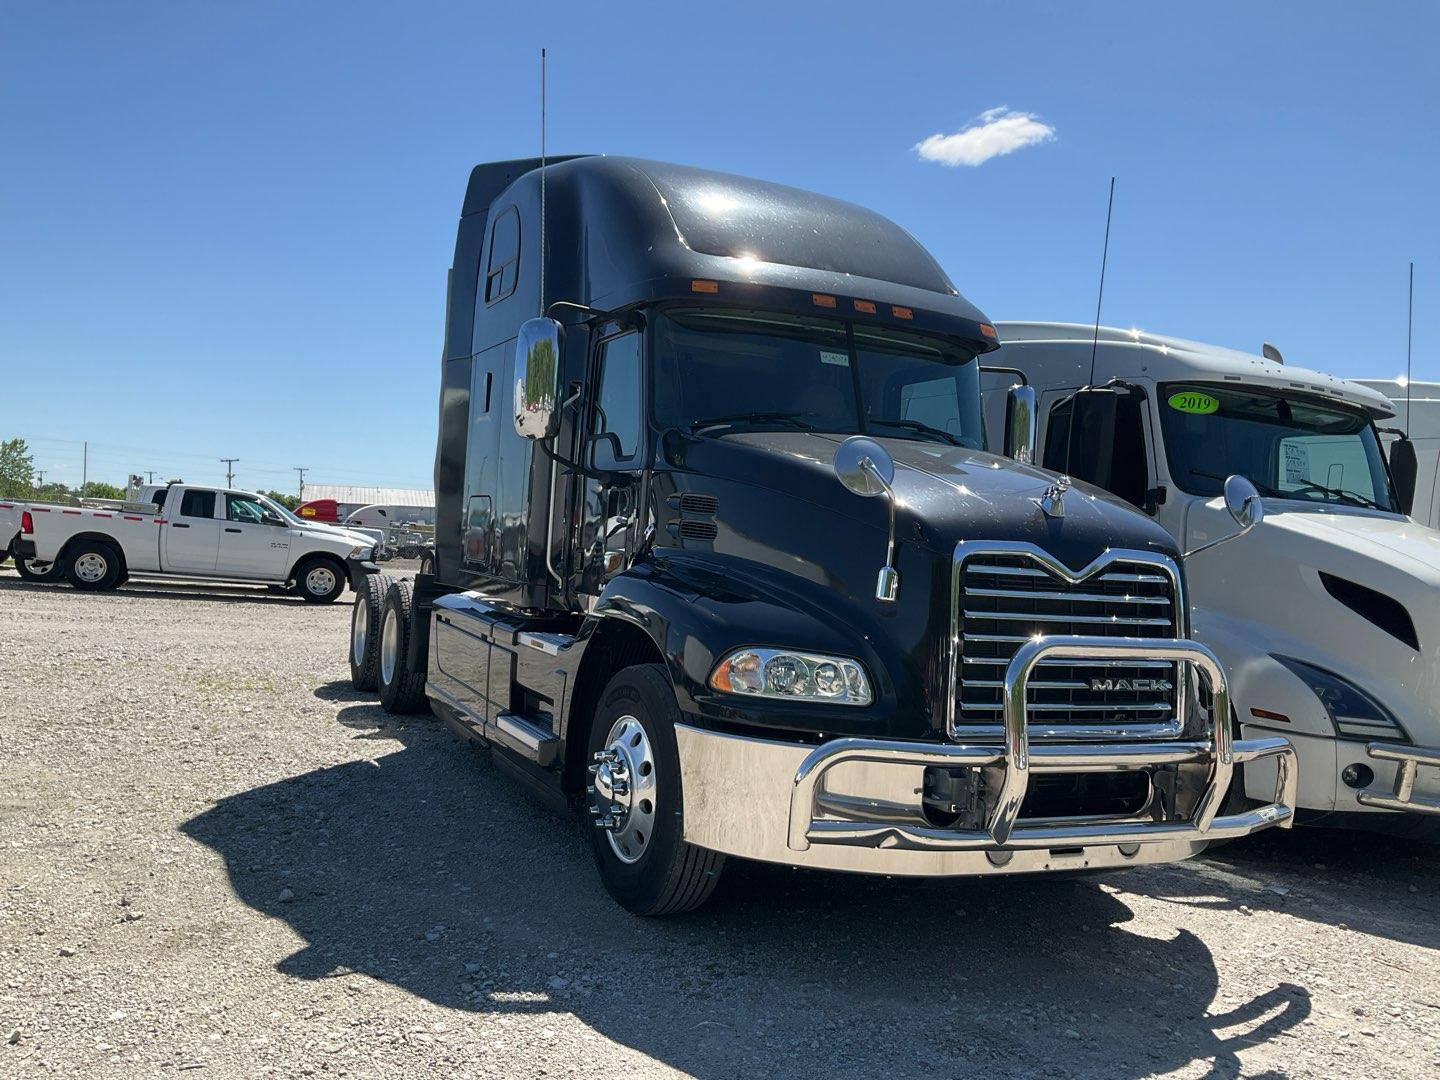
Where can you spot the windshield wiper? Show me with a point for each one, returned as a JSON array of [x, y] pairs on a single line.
[[1341, 494], [917, 426], [1268, 492], [792, 418]]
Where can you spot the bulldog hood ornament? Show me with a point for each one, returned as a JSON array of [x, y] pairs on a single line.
[[1052, 503]]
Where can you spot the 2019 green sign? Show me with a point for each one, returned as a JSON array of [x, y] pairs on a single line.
[[1192, 401]]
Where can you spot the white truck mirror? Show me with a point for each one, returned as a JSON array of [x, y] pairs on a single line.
[[537, 378]]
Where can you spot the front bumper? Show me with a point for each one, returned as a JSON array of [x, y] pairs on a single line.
[[853, 804], [1402, 796]]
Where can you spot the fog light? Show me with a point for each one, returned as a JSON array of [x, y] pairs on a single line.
[[1357, 776]]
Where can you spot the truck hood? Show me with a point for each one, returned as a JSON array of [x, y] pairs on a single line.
[[1360, 535], [945, 494]]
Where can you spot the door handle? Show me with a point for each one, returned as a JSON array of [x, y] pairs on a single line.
[[178, 525], [233, 530]]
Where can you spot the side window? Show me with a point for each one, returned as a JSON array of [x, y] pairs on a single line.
[[504, 267], [617, 405], [198, 504], [1128, 472], [1057, 438], [244, 509]]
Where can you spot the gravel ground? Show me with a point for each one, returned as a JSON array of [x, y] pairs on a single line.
[[215, 856]]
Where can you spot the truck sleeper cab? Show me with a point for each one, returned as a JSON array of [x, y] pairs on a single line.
[[722, 559], [1325, 615]]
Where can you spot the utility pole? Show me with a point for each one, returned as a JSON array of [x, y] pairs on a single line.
[[229, 470], [302, 470], [84, 466], [150, 476]]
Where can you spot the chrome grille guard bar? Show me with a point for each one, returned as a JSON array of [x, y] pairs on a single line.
[[1403, 796], [1019, 759]]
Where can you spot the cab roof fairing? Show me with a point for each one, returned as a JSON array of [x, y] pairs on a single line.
[[1170, 359], [642, 230]]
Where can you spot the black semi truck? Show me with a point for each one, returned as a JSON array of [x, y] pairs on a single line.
[[721, 559]]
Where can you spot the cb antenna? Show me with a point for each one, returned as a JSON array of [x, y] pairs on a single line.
[[1104, 258], [542, 183], [1409, 339]]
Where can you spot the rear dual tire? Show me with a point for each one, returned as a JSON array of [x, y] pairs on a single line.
[[402, 691], [365, 630]]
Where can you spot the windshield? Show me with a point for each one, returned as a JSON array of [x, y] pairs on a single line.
[[716, 370], [1288, 447], [271, 504]]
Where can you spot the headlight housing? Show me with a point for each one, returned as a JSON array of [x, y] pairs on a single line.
[[359, 550], [788, 675], [1354, 713]]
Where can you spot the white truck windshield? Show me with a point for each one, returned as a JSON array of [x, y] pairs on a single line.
[[716, 369], [1288, 447]]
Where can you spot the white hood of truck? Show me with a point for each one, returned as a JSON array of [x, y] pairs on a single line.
[[1358, 536]]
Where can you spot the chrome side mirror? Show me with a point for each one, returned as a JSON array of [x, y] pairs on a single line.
[[1242, 501], [537, 378], [1022, 424], [866, 468]]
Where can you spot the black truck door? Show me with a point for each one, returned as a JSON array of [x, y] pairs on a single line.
[[615, 448]]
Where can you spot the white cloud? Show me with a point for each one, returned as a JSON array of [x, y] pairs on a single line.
[[996, 131]]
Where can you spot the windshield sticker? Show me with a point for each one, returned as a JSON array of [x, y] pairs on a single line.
[[1192, 401], [1297, 463], [839, 359]]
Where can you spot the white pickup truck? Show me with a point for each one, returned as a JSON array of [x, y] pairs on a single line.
[[194, 532], [11, 512]]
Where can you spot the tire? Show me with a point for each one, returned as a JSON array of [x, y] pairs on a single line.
[[4, 556], [93, 566], [427, 563], [40, 572], [656, 873], [364, 630], [402, 691], [320, 581]]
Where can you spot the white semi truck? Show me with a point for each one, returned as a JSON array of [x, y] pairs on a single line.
[[1327, 615], [193, 532]]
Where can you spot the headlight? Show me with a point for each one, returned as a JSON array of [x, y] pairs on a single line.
[[358, 550], [1353, 712], [793, 676]]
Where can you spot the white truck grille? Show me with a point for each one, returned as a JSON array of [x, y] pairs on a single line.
[[1007, 598]]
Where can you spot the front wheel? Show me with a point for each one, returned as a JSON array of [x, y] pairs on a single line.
[[636, 800], [320, 581], [93, 566]]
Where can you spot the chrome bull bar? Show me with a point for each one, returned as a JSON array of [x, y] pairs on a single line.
[[1402, 796], [1019, 759]]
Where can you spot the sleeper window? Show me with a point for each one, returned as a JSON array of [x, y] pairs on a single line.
[[504, 264]]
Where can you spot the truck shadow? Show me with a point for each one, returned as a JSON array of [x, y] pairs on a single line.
[[138, 589], [428, 869]]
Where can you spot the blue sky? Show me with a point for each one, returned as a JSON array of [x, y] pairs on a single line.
[[225, 229]]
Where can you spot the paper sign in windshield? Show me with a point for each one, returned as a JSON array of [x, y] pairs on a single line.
[[838, 358], [1193, 402]]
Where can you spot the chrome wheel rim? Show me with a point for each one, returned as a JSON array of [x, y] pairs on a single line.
[[320, 581], [360, 631], [622, 789], [91, 567], [35, 566], [389, 646]]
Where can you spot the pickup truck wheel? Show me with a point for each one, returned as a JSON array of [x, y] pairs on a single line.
[[320, 581], [93, 566], [365, 630], [39, 572], [636, 803], [401, 690]]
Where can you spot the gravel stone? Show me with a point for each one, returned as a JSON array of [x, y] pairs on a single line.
[[196, 751]]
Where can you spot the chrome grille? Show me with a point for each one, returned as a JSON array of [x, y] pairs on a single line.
[[1008, 598]]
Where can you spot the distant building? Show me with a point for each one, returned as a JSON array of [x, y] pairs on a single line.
[[406, 504]]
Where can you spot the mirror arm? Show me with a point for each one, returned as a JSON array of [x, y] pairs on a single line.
[[887, 584]]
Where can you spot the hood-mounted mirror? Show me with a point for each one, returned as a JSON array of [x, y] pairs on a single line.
[[867, 469], [1242, 502]]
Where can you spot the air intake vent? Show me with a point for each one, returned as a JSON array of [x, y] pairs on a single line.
[[698, 530], [692, 502], [1385, 612]]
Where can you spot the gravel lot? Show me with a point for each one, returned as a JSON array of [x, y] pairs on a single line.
[[215, 856]]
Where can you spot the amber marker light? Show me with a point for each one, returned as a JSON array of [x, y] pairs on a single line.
[[988, 331], [902, 312], [865, 306], [704, 286], [821, 300]]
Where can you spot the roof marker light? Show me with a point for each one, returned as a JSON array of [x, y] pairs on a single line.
[[704, 286], [821, 300], [867, 307], [988, 331], [902, 312]]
